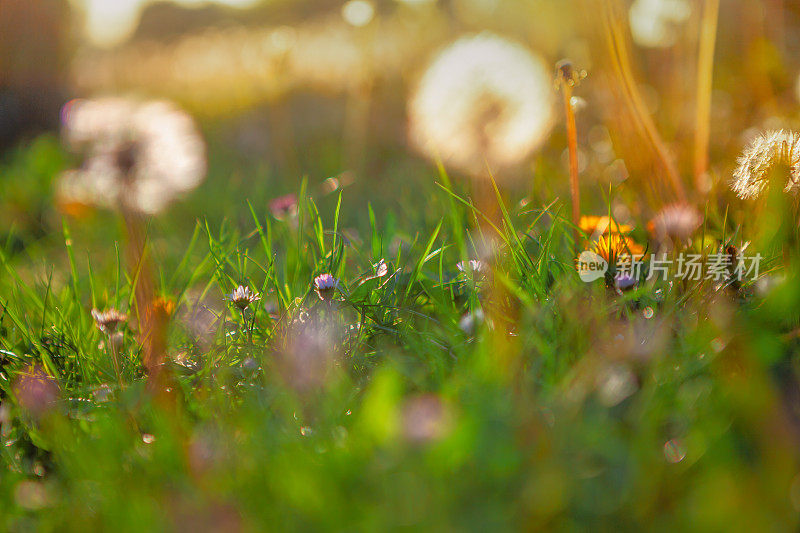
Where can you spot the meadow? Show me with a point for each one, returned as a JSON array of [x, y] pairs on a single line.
[[251, 280]]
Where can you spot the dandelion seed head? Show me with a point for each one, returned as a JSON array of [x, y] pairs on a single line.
[[138, 155], [654, 23], [761, 157], [483, 100]]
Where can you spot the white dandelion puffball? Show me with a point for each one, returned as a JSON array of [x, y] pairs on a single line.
[[138, 155], [483, 100], [654, 23], [761, 157]]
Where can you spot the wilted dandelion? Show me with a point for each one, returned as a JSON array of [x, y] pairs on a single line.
[[242, 297], [483, 100], [676, 222], [139, 156], [761, 157], [567, 77], [325, 286], [108, 321]]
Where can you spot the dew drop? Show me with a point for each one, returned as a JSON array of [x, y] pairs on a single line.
[[147, 438], [648, 312], [674, 451]]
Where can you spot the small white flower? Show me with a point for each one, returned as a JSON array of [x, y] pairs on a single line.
[[242, 297], [325, 285], [475, 268]]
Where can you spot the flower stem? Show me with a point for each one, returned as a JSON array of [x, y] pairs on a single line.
[[112, 346], [705, 69], [572, 140]]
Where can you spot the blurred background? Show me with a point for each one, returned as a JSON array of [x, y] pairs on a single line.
[[286, 89], [327, 91]]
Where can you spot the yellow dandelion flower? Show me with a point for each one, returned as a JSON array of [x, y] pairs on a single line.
[[592, 225], [614, 246]]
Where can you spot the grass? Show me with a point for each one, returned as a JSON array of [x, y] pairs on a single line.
[[426, 397]]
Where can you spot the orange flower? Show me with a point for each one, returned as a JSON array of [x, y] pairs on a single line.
[[591, 225], [163, 306], [613, 246]]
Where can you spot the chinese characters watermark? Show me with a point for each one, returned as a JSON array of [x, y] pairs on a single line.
[[715, 267]]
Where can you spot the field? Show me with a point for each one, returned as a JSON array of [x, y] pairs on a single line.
[[400, 265]]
